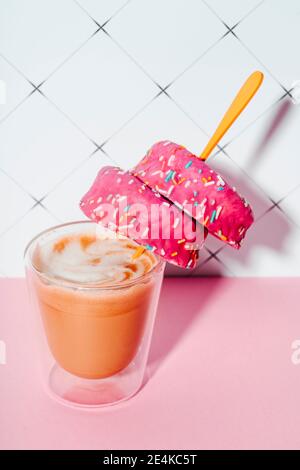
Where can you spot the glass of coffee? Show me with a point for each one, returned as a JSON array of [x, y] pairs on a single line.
[[96, 295]]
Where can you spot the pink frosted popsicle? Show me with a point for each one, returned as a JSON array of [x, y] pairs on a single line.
[[191, 184], [121, 202]]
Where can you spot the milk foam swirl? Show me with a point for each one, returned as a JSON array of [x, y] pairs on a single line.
[[85, 258]]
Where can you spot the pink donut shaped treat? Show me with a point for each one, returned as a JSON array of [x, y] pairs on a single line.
[[121, 202], [192, 185]]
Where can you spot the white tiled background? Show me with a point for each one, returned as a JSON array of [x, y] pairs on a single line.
[[94, 82]]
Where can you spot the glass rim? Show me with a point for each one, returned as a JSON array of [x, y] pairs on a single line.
[[85, 286]]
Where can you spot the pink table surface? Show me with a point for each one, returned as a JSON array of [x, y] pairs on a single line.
[[221, 374]]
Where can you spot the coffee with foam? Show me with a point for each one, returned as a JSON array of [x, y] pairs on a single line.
[[88, 258], [94, 298]]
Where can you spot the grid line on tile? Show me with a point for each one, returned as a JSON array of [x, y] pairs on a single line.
[[73, 170], [239, 21], [212, 256], [77, 2], [287, 91], [61, 64], [272, 105], [17, 183], [231, 30]]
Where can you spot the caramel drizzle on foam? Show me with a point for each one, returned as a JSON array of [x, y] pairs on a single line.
[[61, 244], [85, 241]]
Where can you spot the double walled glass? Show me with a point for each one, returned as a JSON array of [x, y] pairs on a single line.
[[93, 341]]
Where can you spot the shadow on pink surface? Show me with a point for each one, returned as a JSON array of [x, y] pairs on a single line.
[[176, 314]]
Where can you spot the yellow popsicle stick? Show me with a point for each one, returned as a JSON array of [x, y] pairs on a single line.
[[239, 103]]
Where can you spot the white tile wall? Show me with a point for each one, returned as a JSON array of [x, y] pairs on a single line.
[[95, 82]]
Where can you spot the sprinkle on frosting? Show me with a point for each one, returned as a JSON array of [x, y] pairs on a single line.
[[219, 208], [213, 216], [170, 175], [171, 159], [188, 164], [149, 247]]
